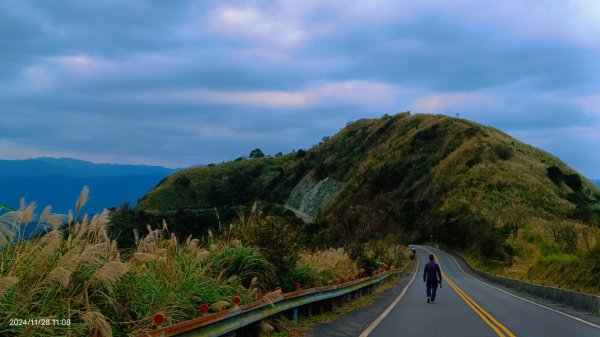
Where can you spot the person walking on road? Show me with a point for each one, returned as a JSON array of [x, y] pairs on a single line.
[[432, 276]]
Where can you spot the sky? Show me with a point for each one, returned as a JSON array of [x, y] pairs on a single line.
[[180, 83]]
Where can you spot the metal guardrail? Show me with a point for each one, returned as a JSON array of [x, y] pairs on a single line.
[[580, 301], [233, 319]]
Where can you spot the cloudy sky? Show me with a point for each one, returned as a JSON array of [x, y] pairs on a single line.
[[178, 83]]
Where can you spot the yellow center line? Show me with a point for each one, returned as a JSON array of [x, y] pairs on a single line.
[[485, 316]]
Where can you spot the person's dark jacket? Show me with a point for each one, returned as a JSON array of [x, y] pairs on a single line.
[[432, 272]]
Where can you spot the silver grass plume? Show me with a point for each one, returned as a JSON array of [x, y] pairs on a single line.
[[108, 275], [83, 196], [96, 321], [60, 275]]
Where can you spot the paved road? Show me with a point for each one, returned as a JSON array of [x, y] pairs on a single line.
[[468, 307]]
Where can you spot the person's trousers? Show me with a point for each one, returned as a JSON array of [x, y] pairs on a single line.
[[432, 286]]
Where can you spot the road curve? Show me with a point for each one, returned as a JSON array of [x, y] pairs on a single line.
[[468, 307]]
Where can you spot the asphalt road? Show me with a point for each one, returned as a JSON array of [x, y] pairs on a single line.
[[468, 307]]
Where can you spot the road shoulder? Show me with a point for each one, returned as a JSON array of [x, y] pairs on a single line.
[[355, 322], [543, 302]]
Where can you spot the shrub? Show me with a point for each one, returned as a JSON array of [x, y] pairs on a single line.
[[574, 182], [503, 151], [319, 267], [464, 228], [299, 273], [243, 262], [555, 174], [381, 252], [276, 239], [183, 181], [565, 235], [329, 263]]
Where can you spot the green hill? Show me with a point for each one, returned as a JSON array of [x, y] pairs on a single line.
[[423, 178]]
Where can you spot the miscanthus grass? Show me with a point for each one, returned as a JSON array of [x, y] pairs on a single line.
[[74, 271]]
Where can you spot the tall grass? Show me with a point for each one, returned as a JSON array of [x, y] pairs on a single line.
[[321, 266], [74, 271], [77, 273]]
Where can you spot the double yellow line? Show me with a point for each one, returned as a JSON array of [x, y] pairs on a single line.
[[498, 328]]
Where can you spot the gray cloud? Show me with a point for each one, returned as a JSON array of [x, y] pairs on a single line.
[[194, 82], [439, 53]]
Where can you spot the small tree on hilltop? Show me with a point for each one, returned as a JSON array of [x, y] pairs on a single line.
[[257, 153]]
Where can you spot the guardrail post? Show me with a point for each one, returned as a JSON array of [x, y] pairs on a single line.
[[309, 310], [295, 315]]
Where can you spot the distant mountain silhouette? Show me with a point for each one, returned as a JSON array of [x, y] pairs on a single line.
[[73, 168], [58, 182]]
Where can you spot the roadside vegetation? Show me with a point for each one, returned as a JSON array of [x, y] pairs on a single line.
[[510, 207], [74, 275], [283, 327], [564, 254]]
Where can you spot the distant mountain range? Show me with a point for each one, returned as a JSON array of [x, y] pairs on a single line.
[[58, 182], [73, 168]]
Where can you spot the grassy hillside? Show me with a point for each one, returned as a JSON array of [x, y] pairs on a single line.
[[418, 177]]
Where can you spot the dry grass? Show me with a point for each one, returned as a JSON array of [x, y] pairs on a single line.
[[97, 321], [60, 275], [331, 262], [7, 283], [109, 274]]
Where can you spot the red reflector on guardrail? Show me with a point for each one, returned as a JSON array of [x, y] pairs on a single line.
[[158, 319], [297, 285], [237, 300], [204, 308]]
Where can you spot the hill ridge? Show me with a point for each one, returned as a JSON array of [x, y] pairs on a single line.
[[420, 178]]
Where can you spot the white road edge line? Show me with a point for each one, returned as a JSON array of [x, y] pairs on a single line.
[[376, 322], [519, 297]]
